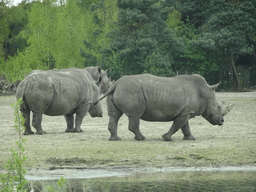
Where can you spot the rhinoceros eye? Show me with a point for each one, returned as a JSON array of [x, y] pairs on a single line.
[[219, 109]]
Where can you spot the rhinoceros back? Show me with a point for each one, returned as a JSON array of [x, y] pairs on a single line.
[[56, 93], [160, 98]]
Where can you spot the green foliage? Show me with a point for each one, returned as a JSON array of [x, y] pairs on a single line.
[[55, 35], [15, 177], [104, 15], [174, 20], [61, 185], [129, 36], [229, 32], [141, 38]]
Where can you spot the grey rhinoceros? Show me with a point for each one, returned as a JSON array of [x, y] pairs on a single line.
[[101, 76], [96, 72], [153, 98], [54, 93]]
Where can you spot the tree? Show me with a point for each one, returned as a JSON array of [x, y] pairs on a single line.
[[72, 26], [104, 17], [191, 10], [4, 31], [231, 28], [18, 20], [54, 36], [13, 21], [42, 17], [141, 42], [194, 60]]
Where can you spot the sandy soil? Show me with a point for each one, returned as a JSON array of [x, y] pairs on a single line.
[[233, 144]]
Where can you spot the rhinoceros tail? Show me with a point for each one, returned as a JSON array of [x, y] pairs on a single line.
[[20, 91], [111, 90]]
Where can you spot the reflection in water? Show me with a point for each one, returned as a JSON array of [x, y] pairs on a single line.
[[161, 181]]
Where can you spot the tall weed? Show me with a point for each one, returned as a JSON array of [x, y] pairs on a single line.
[[15, 177]]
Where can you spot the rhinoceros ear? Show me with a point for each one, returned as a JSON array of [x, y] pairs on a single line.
[[99, 69], [100, 79], [214, 87], [222, 102], [108, 70]]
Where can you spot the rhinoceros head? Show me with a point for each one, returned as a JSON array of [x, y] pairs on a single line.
[[215, 110], [101, 78], [105, 83], [96, 110]]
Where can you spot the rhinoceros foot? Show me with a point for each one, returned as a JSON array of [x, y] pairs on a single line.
[[68, 130], [114, 138], [77, 130], [40, 132], [140, 138], [191, 137], [166, 137], [28, 132]]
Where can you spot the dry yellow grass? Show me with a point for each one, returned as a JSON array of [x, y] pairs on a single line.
[[232, 144]]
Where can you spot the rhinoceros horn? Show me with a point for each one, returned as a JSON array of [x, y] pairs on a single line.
[[228, 108]]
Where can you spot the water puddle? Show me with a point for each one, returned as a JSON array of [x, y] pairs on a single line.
[[144, 179], [84, 173]]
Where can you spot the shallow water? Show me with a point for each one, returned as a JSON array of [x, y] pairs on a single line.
[[41, 175], [147, 179]]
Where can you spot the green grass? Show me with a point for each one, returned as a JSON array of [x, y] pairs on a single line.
[[134, 153]]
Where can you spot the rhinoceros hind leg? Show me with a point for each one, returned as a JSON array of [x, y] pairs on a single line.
[[114, 116], [26, 132], [40, 132], [191, 137], [134, 126], [187, 133], [116, 138], [76, 130], [177, 124], [26, 114], [68, 130], [37, 121], [166, 137], [70, 123]]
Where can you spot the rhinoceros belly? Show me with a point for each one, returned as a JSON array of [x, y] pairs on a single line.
[[157, 116], [62, 106], [59, 110]]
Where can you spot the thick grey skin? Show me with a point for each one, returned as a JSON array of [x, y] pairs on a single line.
[[54, 93], [98, 74], [153, 98], [101, 76]]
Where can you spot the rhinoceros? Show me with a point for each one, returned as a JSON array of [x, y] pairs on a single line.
[[153, 98], [96, 72], [101, 76], [54, 93]]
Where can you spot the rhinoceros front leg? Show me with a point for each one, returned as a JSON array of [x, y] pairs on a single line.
[[37, 122], [26, 115], [177, 124], [186, 132], [70, 123], [134, 126], [80, 114]]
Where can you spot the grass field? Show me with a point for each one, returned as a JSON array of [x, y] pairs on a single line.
[[232, 144]]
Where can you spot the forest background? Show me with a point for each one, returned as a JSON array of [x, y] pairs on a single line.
[[215, 38]]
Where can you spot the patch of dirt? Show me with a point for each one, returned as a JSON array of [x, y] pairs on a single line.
[[230, 145]]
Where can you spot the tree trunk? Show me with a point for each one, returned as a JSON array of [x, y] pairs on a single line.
[[235, 72]]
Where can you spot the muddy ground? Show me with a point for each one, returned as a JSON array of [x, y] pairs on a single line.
[[232, 144]]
